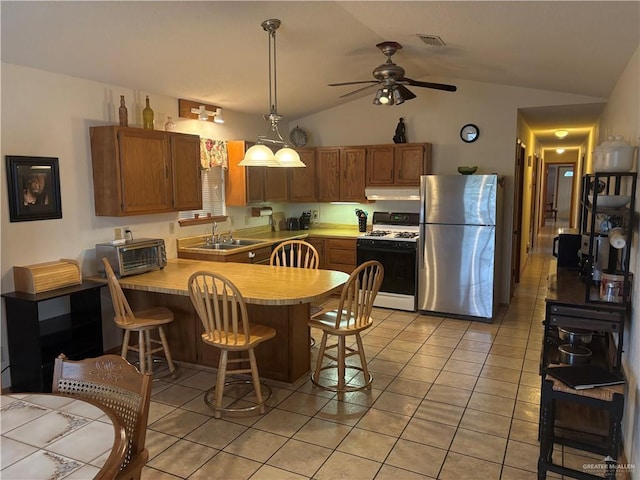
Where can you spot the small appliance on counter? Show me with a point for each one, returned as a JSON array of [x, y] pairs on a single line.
[[305, 220], [566, 247], [132, 256], [293, 223], [362, 220]]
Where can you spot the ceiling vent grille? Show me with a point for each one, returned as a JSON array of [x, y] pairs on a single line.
[[432, 40]]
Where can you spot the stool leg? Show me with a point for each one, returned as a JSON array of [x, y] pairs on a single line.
[[320, 359], [142, 352], [256, 379], [222, 373], [167, 352], [125, 344], [341, 366], [149, 352], [363, 360]]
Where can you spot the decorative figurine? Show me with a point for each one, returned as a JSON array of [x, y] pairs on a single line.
[[400, 136]]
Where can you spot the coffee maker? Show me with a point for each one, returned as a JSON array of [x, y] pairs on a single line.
[[593, 261]]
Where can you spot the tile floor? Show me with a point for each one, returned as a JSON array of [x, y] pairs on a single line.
[[451, 399]]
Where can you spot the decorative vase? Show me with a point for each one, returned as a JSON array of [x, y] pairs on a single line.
[[123, 114], [147, 116], [170, 126]]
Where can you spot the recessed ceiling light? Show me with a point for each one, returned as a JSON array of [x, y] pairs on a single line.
[[561, 133]]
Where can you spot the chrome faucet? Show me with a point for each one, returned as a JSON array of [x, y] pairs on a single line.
[[214, 233]]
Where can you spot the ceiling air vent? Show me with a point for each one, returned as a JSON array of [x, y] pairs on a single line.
[[432, 40]]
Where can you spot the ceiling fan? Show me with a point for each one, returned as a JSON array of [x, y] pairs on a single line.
[[391, 81]]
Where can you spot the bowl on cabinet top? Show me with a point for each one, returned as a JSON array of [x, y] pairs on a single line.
[[467, 170], [611, 201], [613, 155]]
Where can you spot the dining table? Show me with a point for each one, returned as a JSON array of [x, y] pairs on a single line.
[[53, 436]]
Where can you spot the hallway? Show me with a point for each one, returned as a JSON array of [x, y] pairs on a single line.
[[451, 399]]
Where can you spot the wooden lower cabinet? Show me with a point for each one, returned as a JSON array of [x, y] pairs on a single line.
[[319, 244], [341, 254]]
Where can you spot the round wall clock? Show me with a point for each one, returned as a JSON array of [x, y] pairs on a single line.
[[469, 133], [298, 137]]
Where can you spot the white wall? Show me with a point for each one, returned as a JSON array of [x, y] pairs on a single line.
[[622, 117]]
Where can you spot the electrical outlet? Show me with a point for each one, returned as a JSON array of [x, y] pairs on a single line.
[[315, 216], [117, 233]]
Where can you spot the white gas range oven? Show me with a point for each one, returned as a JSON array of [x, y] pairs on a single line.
[[393, 241]]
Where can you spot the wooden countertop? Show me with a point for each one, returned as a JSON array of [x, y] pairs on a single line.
[[259, 284]]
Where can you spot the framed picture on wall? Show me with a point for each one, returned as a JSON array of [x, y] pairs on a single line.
[[33, 184]]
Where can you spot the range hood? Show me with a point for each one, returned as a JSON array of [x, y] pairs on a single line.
[[392, 193]]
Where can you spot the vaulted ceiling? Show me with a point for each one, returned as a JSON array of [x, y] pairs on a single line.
[[216, 52]]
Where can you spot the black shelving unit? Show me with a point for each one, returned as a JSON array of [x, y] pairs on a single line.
[[35, 342], [595, 187]]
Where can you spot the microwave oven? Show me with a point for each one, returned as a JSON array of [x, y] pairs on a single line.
[[132, 257]]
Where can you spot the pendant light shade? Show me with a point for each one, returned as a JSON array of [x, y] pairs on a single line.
[[260, 155]]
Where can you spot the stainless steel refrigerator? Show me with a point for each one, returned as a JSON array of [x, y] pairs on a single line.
[[458, 261]]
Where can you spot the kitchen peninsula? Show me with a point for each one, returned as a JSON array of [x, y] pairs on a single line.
[[278, 297]]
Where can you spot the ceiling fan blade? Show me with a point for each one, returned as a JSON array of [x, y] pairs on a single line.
[[351, 83], [437, 86], [405, 92], [358, 90]]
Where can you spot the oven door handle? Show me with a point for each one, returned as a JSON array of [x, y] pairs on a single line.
[[386, 250]]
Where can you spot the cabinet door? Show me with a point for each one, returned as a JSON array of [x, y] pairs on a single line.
[[328, 171], [255, 184], [275, 184], [352, 180], [380, 165], [144, 171], [410, 163], [185, 163], [341, 254], [302, 181]]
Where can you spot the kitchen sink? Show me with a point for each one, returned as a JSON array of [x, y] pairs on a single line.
[[244, 242], [220, 246]]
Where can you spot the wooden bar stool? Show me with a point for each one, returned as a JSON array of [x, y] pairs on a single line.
[[352, 316], [223, 312], [143, 322], [608, 400]]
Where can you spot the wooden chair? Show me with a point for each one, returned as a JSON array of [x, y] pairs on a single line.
[[295, 253], [141, 321], [223, 312], [114, 383], [301, 254], [352, 316]]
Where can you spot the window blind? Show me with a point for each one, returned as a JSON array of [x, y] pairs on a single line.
[[212, 195]]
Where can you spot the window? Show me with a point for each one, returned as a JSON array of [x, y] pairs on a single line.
[[212, 195]]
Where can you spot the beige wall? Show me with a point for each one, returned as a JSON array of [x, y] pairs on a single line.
[[622, 117]]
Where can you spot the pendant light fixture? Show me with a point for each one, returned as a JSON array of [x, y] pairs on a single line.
[[260, 155]]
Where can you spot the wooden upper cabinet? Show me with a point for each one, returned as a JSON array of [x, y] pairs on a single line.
[[397, 165], [352, 180], [302, 181], [341, 174], [137, 171], [328, 172], [380, 165], [246, 185], [187, 180]]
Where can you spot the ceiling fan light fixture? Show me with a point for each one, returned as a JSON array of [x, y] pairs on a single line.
[[376, 99], [397, 97]]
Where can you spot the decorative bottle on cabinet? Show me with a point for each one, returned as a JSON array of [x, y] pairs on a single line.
[[170, 126], [123, 114], [147, 116]]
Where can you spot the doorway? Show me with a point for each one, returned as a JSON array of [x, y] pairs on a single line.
[[559, 188], [516, 236]]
